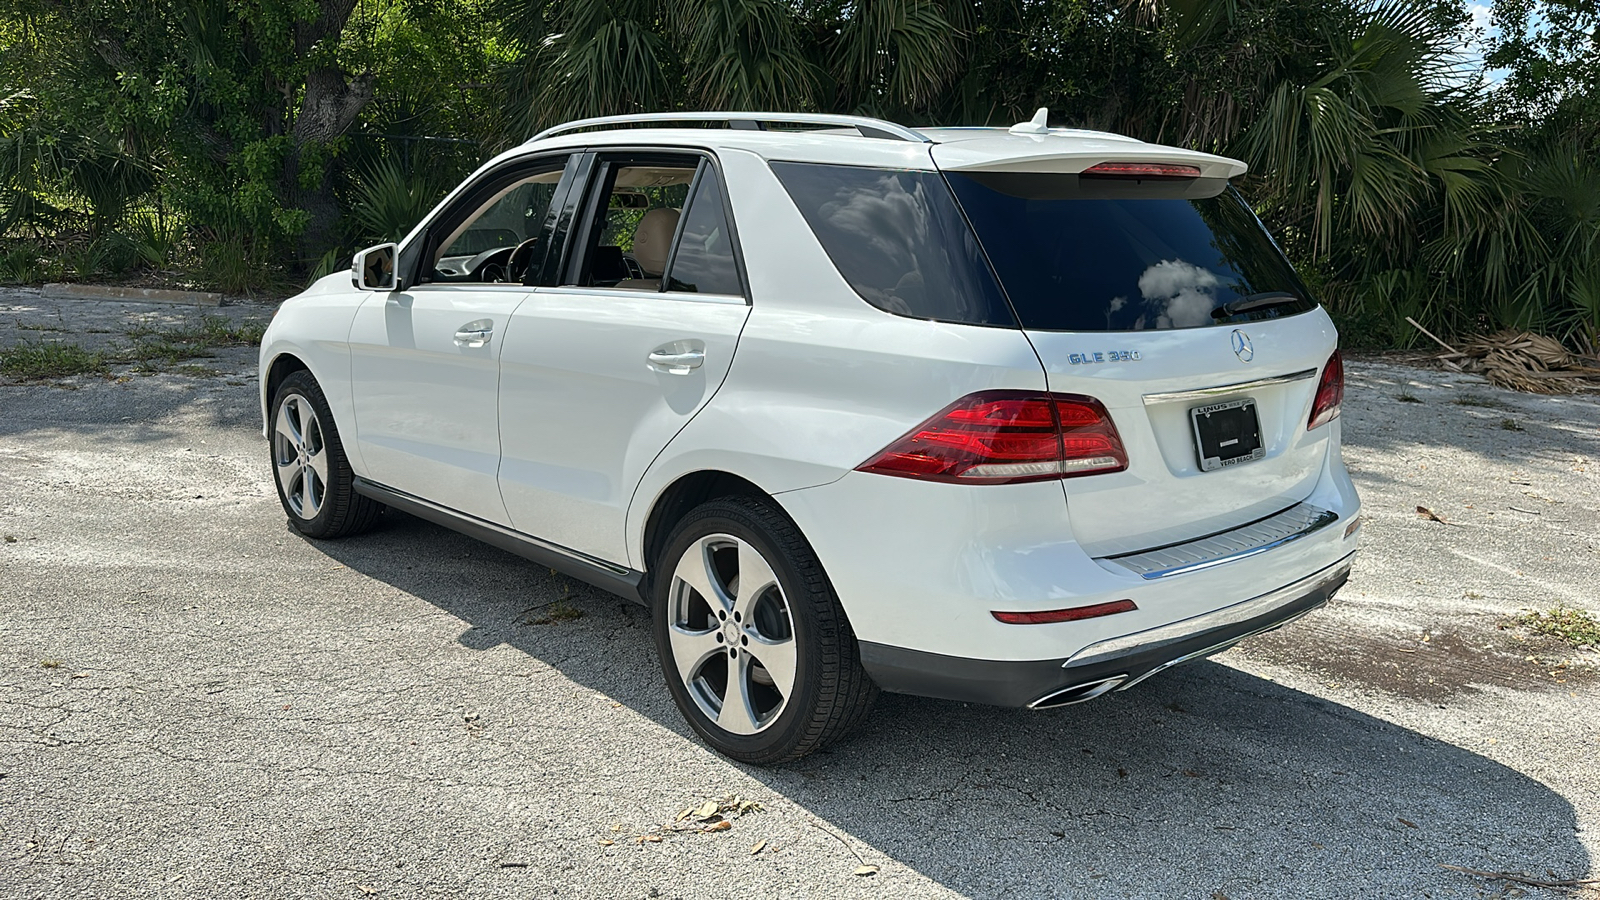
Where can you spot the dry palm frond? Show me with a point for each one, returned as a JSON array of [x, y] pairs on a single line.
[[1524, 361]]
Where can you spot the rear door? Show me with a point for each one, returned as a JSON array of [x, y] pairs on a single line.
[[599, 373], [1164, 298], [425, 360]]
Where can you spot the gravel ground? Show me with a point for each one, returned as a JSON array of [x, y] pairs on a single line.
[[196, 702]]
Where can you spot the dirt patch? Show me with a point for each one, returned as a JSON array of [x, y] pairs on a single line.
[[1431, 666]]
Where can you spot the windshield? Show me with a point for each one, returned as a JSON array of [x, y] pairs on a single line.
[[1116, 254]]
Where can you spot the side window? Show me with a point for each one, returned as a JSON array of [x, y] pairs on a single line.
[[498, 230], [704, 262], [899, 239], [634, 210]]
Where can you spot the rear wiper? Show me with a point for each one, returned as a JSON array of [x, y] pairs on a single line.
[[1254, 301]]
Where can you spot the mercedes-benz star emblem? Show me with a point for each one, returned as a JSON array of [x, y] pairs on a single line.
[[1242, 347]]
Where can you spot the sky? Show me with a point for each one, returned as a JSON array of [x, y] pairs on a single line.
[[1475, 49]]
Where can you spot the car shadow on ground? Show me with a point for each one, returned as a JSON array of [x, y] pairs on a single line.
[[1205, 781]]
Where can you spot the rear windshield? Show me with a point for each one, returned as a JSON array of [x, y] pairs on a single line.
[[898, 238], [1104, 254]]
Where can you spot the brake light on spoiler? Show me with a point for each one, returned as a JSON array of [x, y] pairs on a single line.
[[1007, 437], [1141, 170]]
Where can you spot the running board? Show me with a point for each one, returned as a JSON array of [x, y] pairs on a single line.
[[620, 580]]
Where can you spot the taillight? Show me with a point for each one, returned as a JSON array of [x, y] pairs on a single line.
[[1330, 393], [1006, 437], [1141, 170]]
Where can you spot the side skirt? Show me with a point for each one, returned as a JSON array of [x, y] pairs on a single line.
[[620, 580]]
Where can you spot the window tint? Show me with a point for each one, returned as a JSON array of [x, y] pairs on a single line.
[[1098, 254], [704, 262], [898, 238]]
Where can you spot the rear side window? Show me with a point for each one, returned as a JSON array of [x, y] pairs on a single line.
[[704, 262], [1117, 254], [899, 239]]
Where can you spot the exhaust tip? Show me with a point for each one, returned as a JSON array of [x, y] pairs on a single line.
[[1078, 693]]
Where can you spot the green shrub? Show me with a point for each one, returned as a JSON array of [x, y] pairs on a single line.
[[23, 263], [389, 202]]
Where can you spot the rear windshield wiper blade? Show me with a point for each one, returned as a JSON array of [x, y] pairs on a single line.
[[1254, 301]]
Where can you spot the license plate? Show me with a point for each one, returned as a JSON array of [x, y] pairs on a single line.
[[1227, 433]]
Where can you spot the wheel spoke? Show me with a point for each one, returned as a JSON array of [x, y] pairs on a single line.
[[318, 463], [291, 486], [696, 571], [311, 428], [285, 427], [691, 649], [755, 576], [736, 715], [308, 502], [287, 469], [778, 658]]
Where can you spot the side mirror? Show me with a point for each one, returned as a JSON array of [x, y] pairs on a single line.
[[373, 268]]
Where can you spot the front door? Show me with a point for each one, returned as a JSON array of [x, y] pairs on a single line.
[[599, 373], [425, 359]]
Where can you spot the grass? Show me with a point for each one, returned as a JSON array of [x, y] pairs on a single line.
[[153, 351], [1575, 626], [1482, 402], [32, 361], [1408, 397], [210, 331], [159, 349]]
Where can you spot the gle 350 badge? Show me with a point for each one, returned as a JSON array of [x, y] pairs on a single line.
[[1109, 356]]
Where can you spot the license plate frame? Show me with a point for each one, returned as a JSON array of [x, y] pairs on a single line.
[[1226, 434]]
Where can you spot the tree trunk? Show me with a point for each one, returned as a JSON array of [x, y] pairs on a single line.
[[329, 106]]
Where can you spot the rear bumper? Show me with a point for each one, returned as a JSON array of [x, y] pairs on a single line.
[[1113, 664]]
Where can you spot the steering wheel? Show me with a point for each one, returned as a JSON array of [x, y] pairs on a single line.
[[517, 265]]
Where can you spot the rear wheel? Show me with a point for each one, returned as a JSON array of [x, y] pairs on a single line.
[[754, 645], [315, 483]]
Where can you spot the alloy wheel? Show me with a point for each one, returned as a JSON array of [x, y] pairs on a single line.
[[301, 456], [731, 634]]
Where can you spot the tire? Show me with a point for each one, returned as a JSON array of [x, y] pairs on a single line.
[[315, 483], [789, 627]]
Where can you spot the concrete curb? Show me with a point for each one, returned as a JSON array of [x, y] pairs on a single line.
[[60, 291]]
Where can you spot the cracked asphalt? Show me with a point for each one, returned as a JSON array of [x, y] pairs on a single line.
[[196, 702]]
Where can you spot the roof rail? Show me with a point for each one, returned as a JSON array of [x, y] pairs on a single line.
[[872, 128]]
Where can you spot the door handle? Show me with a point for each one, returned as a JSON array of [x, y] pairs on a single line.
[[475, 334], [677, 362]]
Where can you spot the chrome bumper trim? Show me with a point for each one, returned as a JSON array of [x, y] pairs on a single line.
[[1112, 648], [1294, 523], [1208, 393]]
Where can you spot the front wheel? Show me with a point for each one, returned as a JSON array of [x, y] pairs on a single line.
[[315, 483], [755, 647]]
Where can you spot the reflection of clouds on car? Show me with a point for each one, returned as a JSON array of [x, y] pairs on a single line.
[[890, 222], [1181, 294]]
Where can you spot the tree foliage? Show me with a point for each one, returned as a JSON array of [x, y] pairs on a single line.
[[1397, 178]]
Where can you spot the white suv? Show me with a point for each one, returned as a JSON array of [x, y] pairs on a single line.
[[1015, 416]]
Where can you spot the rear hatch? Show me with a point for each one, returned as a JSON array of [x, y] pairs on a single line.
[[1156, 291]]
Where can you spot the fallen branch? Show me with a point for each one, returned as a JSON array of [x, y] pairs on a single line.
[[1523, 879], [1417, 325], [842, 842]]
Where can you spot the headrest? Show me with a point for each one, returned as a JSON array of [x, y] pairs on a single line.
[[652, 240]]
